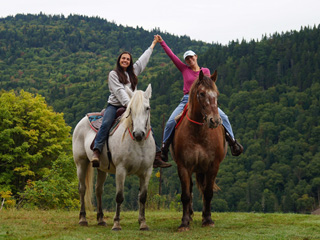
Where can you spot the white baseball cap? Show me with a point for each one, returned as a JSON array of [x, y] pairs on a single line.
[[188, 53]]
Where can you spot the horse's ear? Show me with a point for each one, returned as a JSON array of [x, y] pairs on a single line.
[[214, 76], [200, 75], [148, 92], [129, 92]]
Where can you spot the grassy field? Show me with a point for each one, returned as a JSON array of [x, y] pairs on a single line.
[[22, 224]]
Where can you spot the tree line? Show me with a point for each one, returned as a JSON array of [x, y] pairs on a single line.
[[270, 89]]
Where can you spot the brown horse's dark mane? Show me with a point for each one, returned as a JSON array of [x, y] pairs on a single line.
[[206, 82]]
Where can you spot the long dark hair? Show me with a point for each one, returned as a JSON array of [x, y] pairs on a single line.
[[122, 76]]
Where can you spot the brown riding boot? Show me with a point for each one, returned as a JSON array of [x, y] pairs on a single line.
[[96, 158], [236, 148], [158, 162], [165, 149]]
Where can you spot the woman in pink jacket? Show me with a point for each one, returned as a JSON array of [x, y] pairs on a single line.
[[190, 71]]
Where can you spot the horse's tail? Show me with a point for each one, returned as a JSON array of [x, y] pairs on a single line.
[[89, 188], [201, 183], [216, 187]]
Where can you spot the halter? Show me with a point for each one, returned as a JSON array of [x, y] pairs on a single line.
[[132, 126], [133, 137], [199, 123], [194, 121], [185, 112], [190, 120]]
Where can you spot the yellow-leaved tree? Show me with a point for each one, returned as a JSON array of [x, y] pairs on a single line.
[[35, 147]]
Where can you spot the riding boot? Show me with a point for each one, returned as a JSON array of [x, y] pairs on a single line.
[[165, 148], [236, 148], [158, 162], [96, 158], [164, 151]]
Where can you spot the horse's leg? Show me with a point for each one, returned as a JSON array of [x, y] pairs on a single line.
[[185, 197], [101, 177], [82, 165], [144, 182], [191, 199], [120, 178], [207, 197]]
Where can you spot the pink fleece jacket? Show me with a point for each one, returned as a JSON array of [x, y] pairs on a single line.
[[189, 76]]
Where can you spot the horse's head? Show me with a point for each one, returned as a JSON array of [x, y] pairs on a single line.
[[206, 93], [138, 113]]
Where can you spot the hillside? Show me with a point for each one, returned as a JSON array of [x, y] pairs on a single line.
[[270, 90], [67, 59]]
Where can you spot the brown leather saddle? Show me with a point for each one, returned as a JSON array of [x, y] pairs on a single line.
[[96, 118]]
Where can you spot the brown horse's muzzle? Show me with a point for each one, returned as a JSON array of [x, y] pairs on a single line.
[[214, 122]]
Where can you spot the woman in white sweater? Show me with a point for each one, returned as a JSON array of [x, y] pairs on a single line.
[[125, 74]]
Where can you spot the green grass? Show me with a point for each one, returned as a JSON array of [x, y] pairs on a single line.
[[37, 224]]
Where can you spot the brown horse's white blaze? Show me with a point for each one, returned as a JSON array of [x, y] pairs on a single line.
[[199, 147], [208, 101]]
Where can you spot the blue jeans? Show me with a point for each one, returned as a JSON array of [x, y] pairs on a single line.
[[171, 123], [103, 133]]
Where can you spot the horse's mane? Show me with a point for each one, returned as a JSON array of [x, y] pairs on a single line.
[[206, 82]]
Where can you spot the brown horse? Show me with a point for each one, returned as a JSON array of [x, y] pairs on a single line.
[[199, 146]]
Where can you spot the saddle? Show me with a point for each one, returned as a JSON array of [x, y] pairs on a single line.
[[96, 118]]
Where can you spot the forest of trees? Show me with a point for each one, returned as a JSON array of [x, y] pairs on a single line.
[[270, 89]]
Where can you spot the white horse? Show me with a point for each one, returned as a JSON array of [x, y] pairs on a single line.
[[133, 150]]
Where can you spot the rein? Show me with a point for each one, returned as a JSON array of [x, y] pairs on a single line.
[[190, 120], [194, 121]]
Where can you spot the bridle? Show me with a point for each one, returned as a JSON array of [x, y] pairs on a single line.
[[146, 127], [203, 114], [199, 123], [204, 118]]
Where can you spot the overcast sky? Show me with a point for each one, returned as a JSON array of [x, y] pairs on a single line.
[[211, 21]]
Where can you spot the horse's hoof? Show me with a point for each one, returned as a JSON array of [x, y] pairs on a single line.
[[144, 227], [83, 223], [208, 224], [116, 226], [102, 223], [183, 229], [116, 229]]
